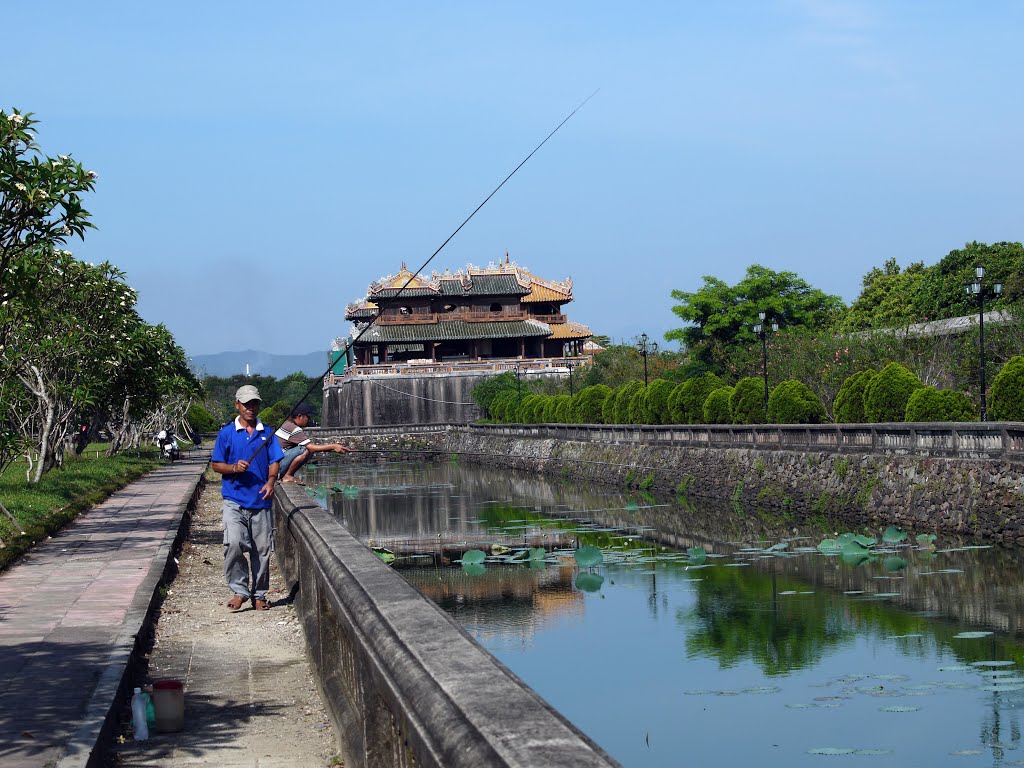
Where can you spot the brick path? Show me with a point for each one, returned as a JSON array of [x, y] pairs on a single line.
[[69, 613]]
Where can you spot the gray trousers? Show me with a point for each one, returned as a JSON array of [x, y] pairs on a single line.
[[252, 531]]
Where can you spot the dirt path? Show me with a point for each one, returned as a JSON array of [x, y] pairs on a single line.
[[250, 696]]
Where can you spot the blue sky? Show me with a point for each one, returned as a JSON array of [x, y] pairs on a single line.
[[305, 149]]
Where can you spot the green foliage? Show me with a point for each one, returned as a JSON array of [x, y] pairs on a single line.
[[941, 294], [693, 393], [1008, 391], [747, 401], [623, 399], [792, 402], [487, 391], [276, 414], [931, 404], [503, 407], [563, 411], [717, 409], [587, 404], [535, 413], [648, 482], [886, 299], [657, 401], [608, 407], [637, 410], [220, 392], [524, 413], [849, 403], [200, 419], [723, 316], [886, 395], [685, 485]]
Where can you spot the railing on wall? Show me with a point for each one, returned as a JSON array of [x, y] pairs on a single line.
[[1003, 440], [426, 368]]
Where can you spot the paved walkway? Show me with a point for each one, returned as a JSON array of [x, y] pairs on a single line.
[[69, 613]]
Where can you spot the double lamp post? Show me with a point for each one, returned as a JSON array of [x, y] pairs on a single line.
[[975, 288], [761, 329]]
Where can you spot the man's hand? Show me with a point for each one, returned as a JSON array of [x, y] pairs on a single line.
[[241, 465], [268, 489], [339, 448]]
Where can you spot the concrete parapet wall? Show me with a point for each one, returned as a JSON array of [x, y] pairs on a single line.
[[379, 400], [404, 683], [974, 489]]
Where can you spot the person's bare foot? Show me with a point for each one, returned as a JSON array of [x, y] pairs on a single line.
[[290, 479]]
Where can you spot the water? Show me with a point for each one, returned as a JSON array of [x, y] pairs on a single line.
[[751, 655]]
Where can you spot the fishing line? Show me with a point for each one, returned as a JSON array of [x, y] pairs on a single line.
[[393, 299], [418, 397], [505, 456]]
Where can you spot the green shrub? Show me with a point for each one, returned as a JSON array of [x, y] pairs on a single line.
[[886, 395], [587, 404], [547, 414], [537, 412], [638, 406], [657, 401], [675, 405], [524, 413], [694, 393], [849, 404], [275, 414], [747, 401], [562, 413], [931, 404], [623, 397], [503, 407], [716, 406], [608, 408], [488, 390], [793, 402], [1008, 391], [200, 419]]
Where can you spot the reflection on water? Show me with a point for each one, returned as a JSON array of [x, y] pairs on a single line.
[[758, 653]]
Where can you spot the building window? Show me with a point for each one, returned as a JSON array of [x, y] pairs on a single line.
[[405, 310], [495, 307], [449, 307]]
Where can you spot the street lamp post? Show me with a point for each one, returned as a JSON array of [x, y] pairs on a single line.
[[569, 365], [761, 329], [644, 347], [977, 289]]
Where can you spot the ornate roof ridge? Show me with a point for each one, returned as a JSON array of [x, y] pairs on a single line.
[[465, 275]]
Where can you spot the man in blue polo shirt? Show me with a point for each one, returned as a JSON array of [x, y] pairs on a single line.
[[248, 456]]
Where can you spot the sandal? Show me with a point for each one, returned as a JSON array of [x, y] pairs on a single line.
[[236, 602], [260, 604]]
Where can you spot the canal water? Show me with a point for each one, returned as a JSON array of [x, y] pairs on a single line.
[[709, 633]]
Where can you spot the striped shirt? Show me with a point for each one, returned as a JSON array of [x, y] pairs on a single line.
[[290, 435]]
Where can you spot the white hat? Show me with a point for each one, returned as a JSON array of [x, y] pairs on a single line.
[[247, 392]]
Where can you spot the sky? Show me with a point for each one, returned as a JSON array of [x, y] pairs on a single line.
[[261, 163]]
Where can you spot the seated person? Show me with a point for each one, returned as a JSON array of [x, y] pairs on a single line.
[[298, 446]]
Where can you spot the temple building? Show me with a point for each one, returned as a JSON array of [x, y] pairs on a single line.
[[500, 312], [429, 340]]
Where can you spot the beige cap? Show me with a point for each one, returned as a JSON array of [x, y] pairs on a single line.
[[247, 392]]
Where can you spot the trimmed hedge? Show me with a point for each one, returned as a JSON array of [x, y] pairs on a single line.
[[638, 407], [716, 407], [793, 402], [1008, 391], [694, 393], [623, 398], [675, 406], [504, 406], [587, 404], [931, 404], [849, 404], [747, 401], [886, 395], [563, 410], [657, 401], [608, 409]]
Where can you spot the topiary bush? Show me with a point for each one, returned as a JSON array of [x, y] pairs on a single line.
[[563, 411], [547, 415], [622, 400], [1008, 391], [716, 407], [931, 404], [849, 404], [638, 406], [886, 395], [747, 401], [587, 404], [503, 407], [608, 409], [524, 413], [275, 414], [537, 412], [694, 393], [675, 405], [657, 401], [200, 419], [793, 402]]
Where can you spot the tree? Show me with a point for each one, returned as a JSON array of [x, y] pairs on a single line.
[[200, 420], [886, 299], [563, 412], [1008, 391], [637, 410], [657, 401], [940, 293], [722, 316], [485, 393], [587, 404], [747, 401], [716, 407], [275, 415], [931, 404], [849, 403], [886, 395], [692, 394], [608, 408], [792, 402]]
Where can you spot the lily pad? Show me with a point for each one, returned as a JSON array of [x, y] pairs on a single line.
[[473, 557], [587, 556], [385, 555], [829, 546], [589, 582], [474, 569], [992, 663], [894, 563], [537, 553], [865, 541], [894, 535], [926, 539]]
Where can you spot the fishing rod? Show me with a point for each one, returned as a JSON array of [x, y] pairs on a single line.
[[495, 456], [393, 299]]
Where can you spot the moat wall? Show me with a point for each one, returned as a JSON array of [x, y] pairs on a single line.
[[375, 400], [976, 489]]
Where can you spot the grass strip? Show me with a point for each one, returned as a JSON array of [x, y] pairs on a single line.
[[44, 508]]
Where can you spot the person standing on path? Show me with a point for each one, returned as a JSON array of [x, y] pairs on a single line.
[[297, 445], [248, 490]]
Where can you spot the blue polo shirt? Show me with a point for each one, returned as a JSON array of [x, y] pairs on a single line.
[[234, 443]]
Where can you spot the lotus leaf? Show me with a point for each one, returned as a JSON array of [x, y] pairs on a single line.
[[829, 546], [537, 553], [894, 563], [894, 535], [474, 569], [473, 557], [386, 555], [589, 582], [587, 556]]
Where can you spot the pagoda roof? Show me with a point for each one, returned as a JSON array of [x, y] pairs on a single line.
[[361, 310], [455, 330], [570, 330]]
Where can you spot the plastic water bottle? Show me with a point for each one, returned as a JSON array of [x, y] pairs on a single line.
[[139, 726]]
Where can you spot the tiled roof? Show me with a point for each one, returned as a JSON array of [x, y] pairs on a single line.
[[362, 310], [542, 293], [483, 285], [569, 330], [454, 330]]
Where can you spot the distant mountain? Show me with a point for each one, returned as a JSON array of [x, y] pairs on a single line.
[[278, 366]]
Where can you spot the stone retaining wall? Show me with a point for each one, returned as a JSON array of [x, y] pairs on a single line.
[[404, 683]]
